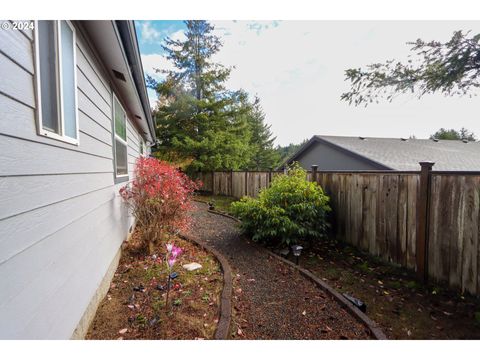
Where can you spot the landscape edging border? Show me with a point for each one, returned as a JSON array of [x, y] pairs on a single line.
[[376, 331], [224, 322]]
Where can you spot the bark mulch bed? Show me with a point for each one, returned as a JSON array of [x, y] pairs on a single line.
[[134, 307], [271, 300], [403, 308]]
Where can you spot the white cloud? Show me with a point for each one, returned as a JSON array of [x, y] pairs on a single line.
[[149, 33], [151, 62], [297, 69], [178, 36]]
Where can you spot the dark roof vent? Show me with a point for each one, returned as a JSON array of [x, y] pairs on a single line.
[[119, 75], [361, 138], [435, 140], [403, 139]]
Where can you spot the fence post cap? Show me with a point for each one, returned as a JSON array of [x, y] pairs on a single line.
[[426, 163], [314, 167]]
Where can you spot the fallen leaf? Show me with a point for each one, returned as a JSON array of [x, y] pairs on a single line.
[[120, 338], [251, 280], [304, 312], [131, 306], [123, 331], [240, 332]]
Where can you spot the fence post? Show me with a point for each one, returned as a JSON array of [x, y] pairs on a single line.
[[231, 182], [213, 182], [314, 173], [269, 176], [423, 220], [246, 182]]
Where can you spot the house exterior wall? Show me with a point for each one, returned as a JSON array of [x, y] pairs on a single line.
[[61, 218], [330, 159]]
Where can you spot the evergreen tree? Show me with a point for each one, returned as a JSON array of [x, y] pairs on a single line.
[[263, 154], [200, 125], [284, 152], [452, 134], [451, 68]]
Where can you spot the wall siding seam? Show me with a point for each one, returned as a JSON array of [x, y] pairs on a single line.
[[95, 138], [59, 229], [57, 174], [94, 69], [17, 100], [94, 103], [93, 86], [56, 146], [23, 33], [16, 63], [95, 121], [53, 203]]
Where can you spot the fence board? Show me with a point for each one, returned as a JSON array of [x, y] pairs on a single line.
[[377, 211]]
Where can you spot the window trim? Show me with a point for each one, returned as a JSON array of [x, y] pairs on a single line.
[[59, 79], [124, 177]]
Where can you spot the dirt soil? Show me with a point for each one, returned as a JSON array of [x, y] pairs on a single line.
[[134, 307], [401, 306], [270, 299]]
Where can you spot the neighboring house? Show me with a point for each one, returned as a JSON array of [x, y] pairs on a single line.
[[344, 153], [74, 116]]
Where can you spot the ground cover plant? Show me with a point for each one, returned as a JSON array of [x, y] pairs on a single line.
[[135, 305], [291, 210]]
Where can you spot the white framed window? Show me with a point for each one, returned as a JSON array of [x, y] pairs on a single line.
[[56, 80], [120, 150]]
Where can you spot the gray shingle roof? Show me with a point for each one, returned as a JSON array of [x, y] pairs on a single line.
[[405, 155]]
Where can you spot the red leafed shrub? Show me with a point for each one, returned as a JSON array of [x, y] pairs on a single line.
[[159, 198]]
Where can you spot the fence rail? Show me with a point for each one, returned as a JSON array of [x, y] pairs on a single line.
[[424, 220]]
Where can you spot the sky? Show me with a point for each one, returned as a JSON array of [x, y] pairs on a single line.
[[297, 70]]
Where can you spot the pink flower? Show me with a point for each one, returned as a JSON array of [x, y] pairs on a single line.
[[172, 261], [176, 251]]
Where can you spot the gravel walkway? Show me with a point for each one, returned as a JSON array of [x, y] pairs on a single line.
[[270, 299]]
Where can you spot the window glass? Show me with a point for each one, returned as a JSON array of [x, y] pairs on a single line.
[[68, 80], [121, 157], [48, 76], [120, 121]]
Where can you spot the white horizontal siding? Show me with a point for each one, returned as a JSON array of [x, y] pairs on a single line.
[[61, 219], [64, 268], [15, 81], [20, 48]]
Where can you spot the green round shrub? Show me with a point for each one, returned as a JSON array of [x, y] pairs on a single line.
[[292, 209]]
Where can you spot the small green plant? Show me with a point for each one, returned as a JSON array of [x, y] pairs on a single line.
[[206, 298], [364, 267], [477, 318], [177, 302], [141, 320], [290, 210]]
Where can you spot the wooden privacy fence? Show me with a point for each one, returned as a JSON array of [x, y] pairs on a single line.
[[427, 221]]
